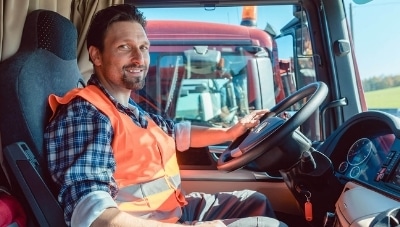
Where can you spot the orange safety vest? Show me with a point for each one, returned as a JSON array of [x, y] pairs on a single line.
[[147, 172]]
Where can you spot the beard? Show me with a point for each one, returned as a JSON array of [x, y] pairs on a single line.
[[135, 83]]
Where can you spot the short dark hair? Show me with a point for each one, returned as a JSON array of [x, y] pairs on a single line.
[[105, 17]]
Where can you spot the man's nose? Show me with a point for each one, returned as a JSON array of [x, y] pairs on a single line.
[[137, 56]]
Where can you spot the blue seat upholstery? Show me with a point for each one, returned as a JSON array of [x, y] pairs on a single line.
[[45, 63]]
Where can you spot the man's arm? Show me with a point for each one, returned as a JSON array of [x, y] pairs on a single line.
[[80, 159], [204, 136]]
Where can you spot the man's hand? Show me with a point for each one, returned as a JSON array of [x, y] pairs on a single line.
[[247, 122], [253, 119]]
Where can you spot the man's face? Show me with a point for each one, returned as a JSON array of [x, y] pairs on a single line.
[[125, 59]]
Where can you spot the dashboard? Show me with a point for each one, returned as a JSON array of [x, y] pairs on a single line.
[[367, 151], [365, 155], [372, 159]]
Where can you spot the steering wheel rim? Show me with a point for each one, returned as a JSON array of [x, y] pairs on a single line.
[[271, 130]]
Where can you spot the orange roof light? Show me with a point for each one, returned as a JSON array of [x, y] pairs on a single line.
[[249, 16], [249, 12]]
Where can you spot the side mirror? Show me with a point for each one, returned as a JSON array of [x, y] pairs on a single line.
[[360, 2]]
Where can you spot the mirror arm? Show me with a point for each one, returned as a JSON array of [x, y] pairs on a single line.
[[333, 104]]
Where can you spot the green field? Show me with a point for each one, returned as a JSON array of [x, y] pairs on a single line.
[[384, 98]]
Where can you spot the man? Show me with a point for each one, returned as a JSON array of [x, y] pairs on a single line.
[[116, 164]]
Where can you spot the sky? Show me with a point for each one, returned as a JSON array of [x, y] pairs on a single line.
[[376, 34], [376, 30]]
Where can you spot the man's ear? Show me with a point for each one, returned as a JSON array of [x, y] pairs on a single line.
[[94, 55]]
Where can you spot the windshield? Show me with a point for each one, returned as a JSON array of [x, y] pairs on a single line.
[[214, 68], [204, 84]]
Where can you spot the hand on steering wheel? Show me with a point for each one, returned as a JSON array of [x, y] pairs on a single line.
[[271, 131], [247, 123]]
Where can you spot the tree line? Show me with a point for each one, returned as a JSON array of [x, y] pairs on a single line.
[[380, 82]]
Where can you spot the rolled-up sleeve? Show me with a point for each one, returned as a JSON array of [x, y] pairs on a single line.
[[182, 135], [91, 207]]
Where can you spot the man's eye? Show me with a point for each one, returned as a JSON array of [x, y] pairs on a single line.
[[124, 47]]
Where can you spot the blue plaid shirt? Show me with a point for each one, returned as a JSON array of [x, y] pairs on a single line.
[[78, 144]]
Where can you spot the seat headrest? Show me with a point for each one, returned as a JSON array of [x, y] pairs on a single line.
[[41, 31], [45, 64]]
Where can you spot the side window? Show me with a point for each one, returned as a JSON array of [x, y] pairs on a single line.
[[296, 59], [297, 68], [305, 61], [286, 64]]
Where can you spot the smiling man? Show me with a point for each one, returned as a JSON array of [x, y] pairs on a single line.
[[115, 163]]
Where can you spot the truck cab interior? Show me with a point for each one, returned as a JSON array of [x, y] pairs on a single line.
[[320, 156]]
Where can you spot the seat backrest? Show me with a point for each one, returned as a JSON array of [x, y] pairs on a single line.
[[45, 63]]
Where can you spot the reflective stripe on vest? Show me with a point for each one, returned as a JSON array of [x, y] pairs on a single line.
[[142, 200], [143, 190], [156, 172]]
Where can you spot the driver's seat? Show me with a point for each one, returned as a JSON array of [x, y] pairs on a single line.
[[45, 63]]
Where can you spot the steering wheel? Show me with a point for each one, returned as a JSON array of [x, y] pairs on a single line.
[[263, 141]]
